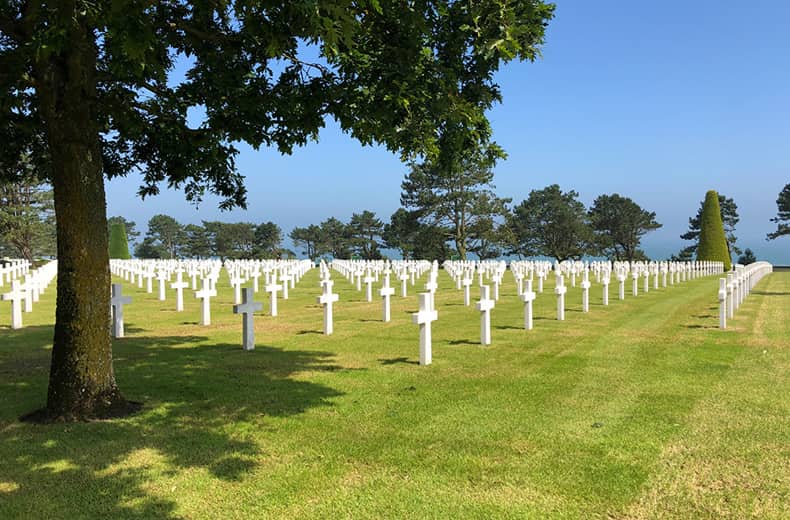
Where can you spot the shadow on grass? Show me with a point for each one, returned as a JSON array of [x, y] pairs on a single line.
[[398, 360], [697, 326], [770, 293], [201, 401], [462, 342]]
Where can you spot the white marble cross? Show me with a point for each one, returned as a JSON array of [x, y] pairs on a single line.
[[272, 287], [404, 279], [484, 306], [15, 297], [117, 301], [431, 287], [586, 292], [528, 296], [635, 283], [286, 278], [27, 289], [723, 303], [423, 318], [497, 279], [386, 292], [327, 299], [467, 283], [560, 291], [205, 295], [247, 309], [179, 285], [368, 285], [236, 281], [621, 282], [162, 278], [605, 281]]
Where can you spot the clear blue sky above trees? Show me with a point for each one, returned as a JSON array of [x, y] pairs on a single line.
[[657, 101]]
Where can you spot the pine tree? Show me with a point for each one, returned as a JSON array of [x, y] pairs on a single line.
[[119, 246], [712, 242]]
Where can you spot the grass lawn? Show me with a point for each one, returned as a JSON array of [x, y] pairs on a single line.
[[643, 409]]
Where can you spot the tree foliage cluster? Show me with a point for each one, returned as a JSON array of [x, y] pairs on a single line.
[[782, 218], [729, 217], [27, 219], [556, 224], [361, 236], [168, 238]]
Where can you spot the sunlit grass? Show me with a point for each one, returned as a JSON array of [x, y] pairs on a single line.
[[640, 409]]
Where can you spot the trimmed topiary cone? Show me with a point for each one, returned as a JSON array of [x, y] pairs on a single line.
[[712, 241], [119, 246]]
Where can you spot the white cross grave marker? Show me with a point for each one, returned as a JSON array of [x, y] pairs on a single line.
[[272, 289], [586, 292], [528, 296], [205, 295], [247, 309], [327, 299], [386, 292], [423, 318], [15, 297], [484, 306], [560, 290], [179, 285], [117, 302]]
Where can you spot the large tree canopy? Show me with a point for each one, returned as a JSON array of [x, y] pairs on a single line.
[[86, 88], [550, 223], [619, 224], [455, 192]]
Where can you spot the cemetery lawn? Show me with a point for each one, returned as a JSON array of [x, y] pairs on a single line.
[[643, 409]]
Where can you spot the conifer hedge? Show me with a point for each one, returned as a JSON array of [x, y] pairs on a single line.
[[712, 241], [119, 246]]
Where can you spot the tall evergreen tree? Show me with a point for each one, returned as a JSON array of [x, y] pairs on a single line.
[[712, 241], [166, 233], [268, 239], [455, 191], [619, 224], [27, 224], [550, 223], [782, 218], [366, 230], [308, 238], [129, 225], [729, 218], [335, 238], [119, 245]]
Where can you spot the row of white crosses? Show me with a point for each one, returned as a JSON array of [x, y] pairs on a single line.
[[12, 269], [734, 289], [204, 275], [27, 285], [369, 272], [465, 273]]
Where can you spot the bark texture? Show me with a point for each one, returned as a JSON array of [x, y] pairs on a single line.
[[81, 382]]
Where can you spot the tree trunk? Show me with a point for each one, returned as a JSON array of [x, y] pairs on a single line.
[[81, 381]]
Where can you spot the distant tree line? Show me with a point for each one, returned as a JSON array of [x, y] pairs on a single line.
[[168, 238]]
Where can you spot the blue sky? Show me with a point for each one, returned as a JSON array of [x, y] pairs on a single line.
[[657, 101]]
